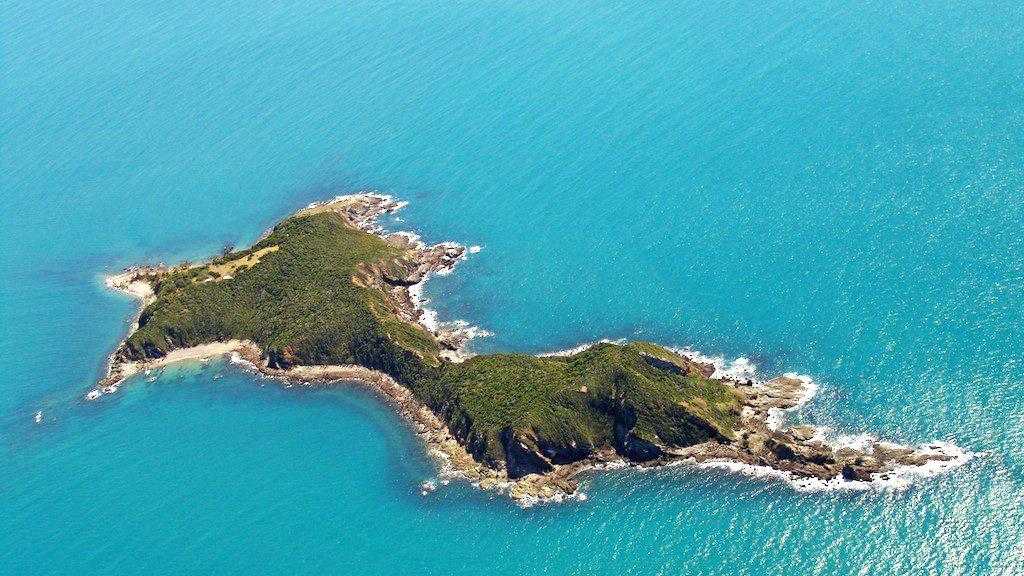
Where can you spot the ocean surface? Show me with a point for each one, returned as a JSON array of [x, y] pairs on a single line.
[[828, 188]]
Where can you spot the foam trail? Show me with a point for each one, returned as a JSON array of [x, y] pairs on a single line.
[[899, 478], [580, 348]]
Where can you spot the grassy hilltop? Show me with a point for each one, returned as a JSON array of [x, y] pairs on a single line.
[[297, 301], [317, 290]]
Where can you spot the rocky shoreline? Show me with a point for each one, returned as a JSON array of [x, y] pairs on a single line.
[[762, 443]]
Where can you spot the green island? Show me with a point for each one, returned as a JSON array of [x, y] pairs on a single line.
[[326, 296]]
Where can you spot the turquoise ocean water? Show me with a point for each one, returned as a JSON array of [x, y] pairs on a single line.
[[829, 188]]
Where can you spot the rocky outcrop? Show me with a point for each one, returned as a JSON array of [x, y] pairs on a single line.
[[682, 365]]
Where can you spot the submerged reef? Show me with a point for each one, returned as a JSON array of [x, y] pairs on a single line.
[[327, 296]]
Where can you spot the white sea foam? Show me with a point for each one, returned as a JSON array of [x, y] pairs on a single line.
[[777, 416], [899, 477], [862, 442], [904, 475], [397, 205], [612, 465], [416, 292], [427, 487], [429, 320], [810, 388], [371, 224], [475, 249], [556, 498], [740, 369], [745, 469], [413, 238], [471, 331], [579, 348]]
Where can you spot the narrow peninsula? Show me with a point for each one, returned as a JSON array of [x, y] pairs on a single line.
[[327, 296]]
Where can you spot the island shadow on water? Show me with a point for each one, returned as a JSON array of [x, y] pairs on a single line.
[[328, 296]]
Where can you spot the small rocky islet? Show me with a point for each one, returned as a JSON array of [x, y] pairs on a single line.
[[327, 296]]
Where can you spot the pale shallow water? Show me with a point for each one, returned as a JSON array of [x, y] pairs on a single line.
[[827, 189]]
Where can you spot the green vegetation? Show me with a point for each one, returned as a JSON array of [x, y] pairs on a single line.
[[566, 407], [311, 293], [298, 302]]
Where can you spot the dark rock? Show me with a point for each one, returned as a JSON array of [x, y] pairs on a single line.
[[628, 443], [521, 455], [854, 472], [637, 449], [688, 368], [277, 359], [559, 453], [784, 452]]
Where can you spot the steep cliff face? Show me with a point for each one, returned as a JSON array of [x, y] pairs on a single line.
[[522, 454]]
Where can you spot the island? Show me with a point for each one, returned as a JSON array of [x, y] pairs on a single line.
[[328, 297]]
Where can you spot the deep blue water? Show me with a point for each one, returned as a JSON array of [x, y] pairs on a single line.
[[828, 188]]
